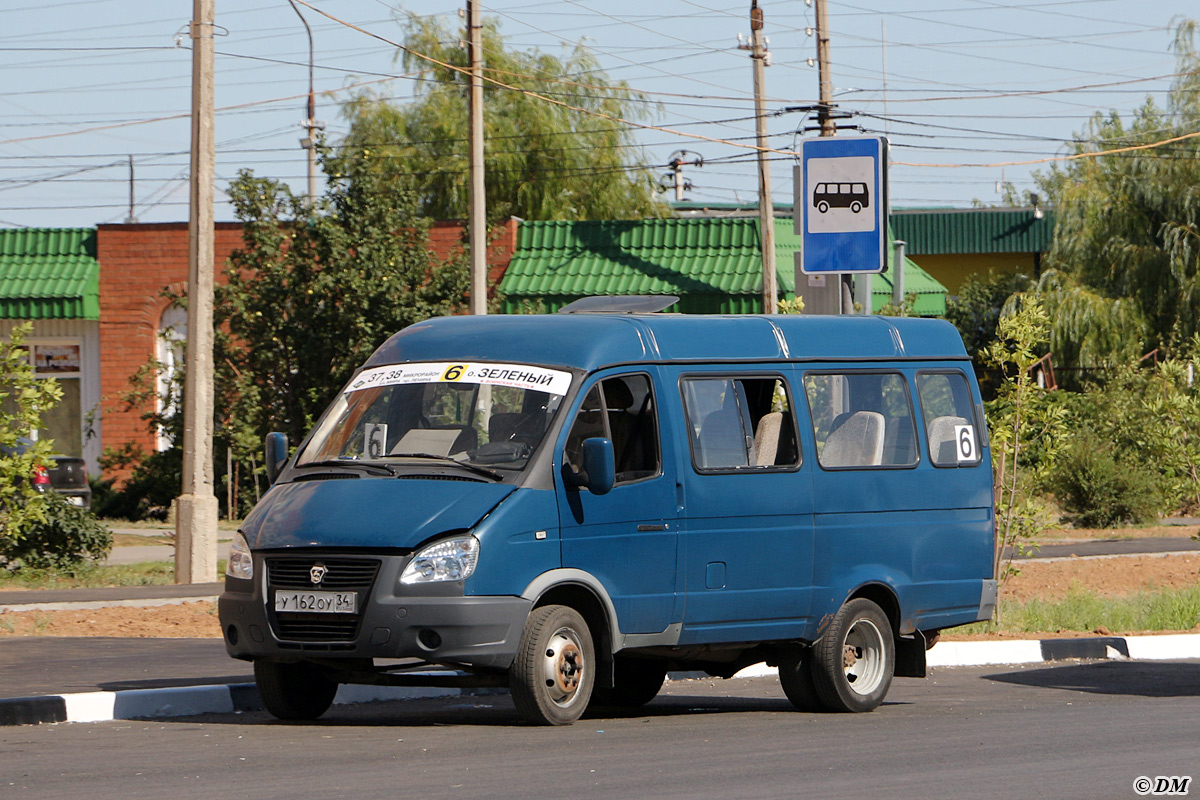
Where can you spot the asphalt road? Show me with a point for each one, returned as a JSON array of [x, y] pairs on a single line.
[[1084, 730]]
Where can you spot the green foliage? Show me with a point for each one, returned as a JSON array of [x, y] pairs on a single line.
[[23, 400], [907, 307], [795, 306], [64, 539], [1089, 480], [1026, 427], [1163, 610], [1124, 268], [976, 309], [313, 291], [155, 477], [1148, 420], [543, 159]]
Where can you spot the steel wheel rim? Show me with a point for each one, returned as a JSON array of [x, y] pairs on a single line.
[[563, 667], [863, 657]]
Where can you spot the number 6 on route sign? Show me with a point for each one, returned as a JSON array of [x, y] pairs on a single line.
[[964, 437]]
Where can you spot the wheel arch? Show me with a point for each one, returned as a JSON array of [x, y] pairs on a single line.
[[883, 596], [582, 592]]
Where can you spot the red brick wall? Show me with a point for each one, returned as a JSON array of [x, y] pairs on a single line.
[[138, 261]]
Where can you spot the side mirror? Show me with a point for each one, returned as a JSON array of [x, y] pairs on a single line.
[[599, 465], [276, 446]]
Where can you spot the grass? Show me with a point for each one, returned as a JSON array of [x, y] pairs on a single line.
[[1081, 610], [149, 573]]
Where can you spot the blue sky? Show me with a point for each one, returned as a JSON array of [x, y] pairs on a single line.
[[963, 88]]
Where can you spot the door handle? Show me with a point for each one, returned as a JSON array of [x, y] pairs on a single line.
[[658, 527]]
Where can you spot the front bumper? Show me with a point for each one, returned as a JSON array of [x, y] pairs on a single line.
[[439, 625]]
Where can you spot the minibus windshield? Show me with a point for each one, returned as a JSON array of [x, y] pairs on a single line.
[[472, 413]]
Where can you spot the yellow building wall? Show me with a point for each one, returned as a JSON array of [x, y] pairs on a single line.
[[953, 269]]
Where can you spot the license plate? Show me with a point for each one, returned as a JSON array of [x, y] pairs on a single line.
[[317, 602]]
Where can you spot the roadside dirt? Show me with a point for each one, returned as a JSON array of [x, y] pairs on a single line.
[[1050, 581]]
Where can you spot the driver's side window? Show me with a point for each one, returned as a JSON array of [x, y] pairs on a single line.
[[620, 409]]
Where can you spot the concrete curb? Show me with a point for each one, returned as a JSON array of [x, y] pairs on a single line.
[[228, 698]]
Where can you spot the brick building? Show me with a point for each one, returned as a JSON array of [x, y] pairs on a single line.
[[99, 296]]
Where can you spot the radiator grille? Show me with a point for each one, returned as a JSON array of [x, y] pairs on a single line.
[[341, 574]]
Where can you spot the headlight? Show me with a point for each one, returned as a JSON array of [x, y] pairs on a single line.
[[240, 563], [447, 560]]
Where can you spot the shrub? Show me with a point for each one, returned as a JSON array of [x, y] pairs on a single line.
[[65, 539], [1091, 482]]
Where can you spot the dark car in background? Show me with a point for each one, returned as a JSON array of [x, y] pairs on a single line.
[[66, 475]]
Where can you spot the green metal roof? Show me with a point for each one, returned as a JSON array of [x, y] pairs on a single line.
[[49, 273], [714, 265], [973, 230], [931, 295]]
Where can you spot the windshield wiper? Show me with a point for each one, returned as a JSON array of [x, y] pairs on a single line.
[[476, 469], [383, 469]]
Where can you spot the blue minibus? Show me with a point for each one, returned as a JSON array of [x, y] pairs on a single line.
[[571, 505]]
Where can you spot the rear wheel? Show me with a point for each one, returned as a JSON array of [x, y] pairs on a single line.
[[796, 678], [854, 661], [293, 691], [636, 681], [553, 674]]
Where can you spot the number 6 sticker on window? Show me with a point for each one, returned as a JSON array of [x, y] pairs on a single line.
[[964, 439]]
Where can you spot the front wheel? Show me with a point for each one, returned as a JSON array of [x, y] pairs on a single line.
[[553, 674], [854, 661], [296, 691]]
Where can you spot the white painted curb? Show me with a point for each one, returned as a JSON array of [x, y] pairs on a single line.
[[223, 699]]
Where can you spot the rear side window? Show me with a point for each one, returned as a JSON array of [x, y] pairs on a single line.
[[947, 411], [622, 410], [861, 419], [737, 423]]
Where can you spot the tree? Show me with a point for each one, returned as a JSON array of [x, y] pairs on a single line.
[[315, 289], [23, 400], [1026, 427], [543, 160], [1124, 270]]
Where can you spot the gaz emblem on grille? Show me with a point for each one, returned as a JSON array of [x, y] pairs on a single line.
[[317, 573]]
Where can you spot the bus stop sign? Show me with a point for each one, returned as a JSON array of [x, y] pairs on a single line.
[[841, 204]]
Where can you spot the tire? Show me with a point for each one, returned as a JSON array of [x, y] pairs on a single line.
[[636, 682], [553, 674], [856, 206], [796, 678], [854, 661], [823, 207], [296, 691]]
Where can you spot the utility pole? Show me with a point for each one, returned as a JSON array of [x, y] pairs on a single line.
[[828, 127], [760, 57], [310, 123], [675, 164], [824, 112], [131, 219], [196, 508], [477, 211]]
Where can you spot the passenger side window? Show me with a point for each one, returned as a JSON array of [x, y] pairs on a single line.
[[947, 411], [740, 423], [861, 419], [622, 410]]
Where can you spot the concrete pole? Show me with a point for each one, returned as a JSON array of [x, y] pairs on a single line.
[[477, 211], [196, 508], [898, 273], [766, 206]]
